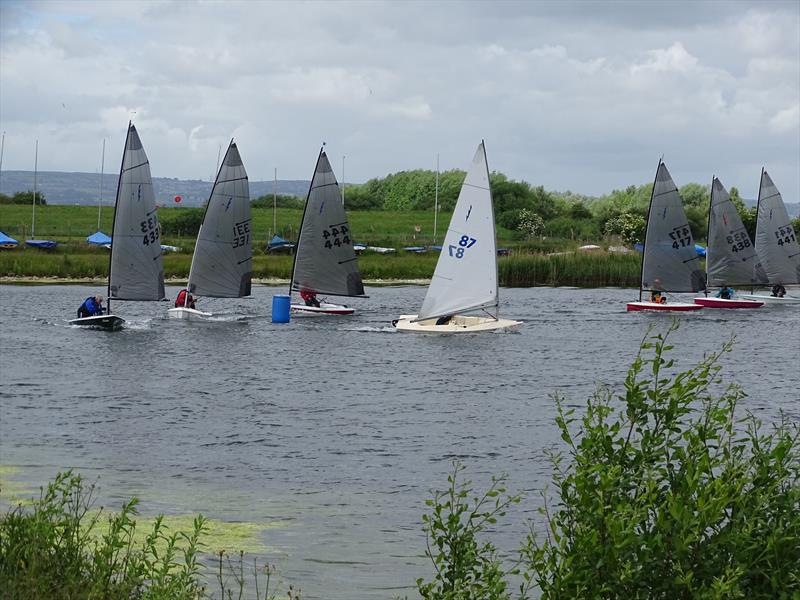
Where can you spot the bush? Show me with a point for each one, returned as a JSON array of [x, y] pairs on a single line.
[[181, 221]]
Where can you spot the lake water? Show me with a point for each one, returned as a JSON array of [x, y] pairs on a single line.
[[337, 428]]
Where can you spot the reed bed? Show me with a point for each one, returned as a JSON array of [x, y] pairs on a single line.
[[571, 269]]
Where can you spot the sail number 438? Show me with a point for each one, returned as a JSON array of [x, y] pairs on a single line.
[[463, 243]]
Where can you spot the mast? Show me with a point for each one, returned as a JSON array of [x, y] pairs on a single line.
[[494, 233], [102, 168], [305, 209], [755, 233], [275, 202], [708, 229], [436, 199], [114, 222], [343, 157], [647, 226], [2, 148], [33, 211]]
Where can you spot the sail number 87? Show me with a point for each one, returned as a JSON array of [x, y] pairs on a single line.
[[463, 243]]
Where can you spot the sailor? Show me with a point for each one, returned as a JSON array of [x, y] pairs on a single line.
[[181, 301], [725, 292], [445, 320], [657, 297], [778, 290], [91, 307], [309, 297]]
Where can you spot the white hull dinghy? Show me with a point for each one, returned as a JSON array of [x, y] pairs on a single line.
[[324, 308], [222, 261], [465, 279], [325, 261], [110, 322], [730, 256], [669, 259], [773, 300]]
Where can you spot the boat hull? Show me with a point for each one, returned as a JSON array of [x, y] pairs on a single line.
[[731, 303], [187, 314], [109, 322], [325, 308], [458, 324], [766, 299], [669, 307]]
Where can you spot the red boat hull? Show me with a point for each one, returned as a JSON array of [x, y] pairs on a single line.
[[668, 307], [722, 303]]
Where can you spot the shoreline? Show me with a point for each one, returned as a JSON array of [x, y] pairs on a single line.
[[265, 281]]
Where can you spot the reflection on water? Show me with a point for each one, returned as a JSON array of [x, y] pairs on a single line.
[[336, 427]]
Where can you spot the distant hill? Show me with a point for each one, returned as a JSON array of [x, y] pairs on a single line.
[[84, 188]]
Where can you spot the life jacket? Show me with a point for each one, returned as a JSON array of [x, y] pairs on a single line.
[[181, 299]]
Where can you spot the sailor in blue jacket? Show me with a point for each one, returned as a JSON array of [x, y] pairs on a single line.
[[92, 306]]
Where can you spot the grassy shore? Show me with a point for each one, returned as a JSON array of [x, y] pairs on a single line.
[[531, 262]]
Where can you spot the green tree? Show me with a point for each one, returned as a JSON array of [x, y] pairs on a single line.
[[23, 198], [630, 227]]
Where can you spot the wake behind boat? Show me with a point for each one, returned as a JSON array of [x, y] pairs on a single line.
[[465, 279], [669, 259], [222, 260], [325, 261]]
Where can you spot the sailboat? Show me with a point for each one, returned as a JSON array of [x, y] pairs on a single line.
[[222, 263], [43, 244], [465, 279], [325, 262], [776, 244], [669, 258], [135, 271], [730, 255]]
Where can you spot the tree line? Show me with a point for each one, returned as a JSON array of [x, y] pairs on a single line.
[[23, 198]]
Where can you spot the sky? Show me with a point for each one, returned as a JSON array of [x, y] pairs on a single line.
[[580, 96]]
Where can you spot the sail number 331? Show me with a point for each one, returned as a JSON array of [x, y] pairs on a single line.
[[241, 234], [463, 243]]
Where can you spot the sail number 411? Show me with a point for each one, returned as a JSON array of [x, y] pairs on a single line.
[[464, 243]]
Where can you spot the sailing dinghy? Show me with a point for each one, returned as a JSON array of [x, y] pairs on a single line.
[[776, 244], [325, 262], [730, 255], [465, 278], [135, 271], [222, 263], [669, 260]]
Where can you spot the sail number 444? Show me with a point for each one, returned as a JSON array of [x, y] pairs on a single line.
[[332, 236], [463, 243]]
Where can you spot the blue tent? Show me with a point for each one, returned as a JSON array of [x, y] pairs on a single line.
[[6, 241], [277, 243], [700, 250], [99, 239], [42, 244]]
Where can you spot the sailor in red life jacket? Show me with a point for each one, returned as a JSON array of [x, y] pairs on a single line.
[[309, 297], [180, 301]]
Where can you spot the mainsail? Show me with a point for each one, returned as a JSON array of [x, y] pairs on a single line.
[[222, 261], [670, 262], [466, 274], [776, 239], [731, 256], [325, 262], [136, 271]]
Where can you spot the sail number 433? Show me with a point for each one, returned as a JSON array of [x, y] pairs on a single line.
[[463, 243], [151, 230]]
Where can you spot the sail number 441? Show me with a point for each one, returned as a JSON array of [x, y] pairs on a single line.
[[463, 243]]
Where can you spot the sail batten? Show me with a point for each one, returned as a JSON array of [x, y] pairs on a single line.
[[136, 270], [222, 261], [325, 261], [465, 278], [669, 249], [776, 240]]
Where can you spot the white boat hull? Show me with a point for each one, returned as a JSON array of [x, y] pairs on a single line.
[[187, 314], [767, 299], [458, 324], [110, 322], [325, 308]]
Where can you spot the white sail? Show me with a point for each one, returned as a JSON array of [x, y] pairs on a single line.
[[669, 262], [222, 261], [325, 261], [776, 240], [466, 274], [136, 271]]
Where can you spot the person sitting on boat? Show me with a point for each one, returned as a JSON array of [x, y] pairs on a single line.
[[725, 292], [778, 291], [657, 297], [91, 307], [445, 320], [181, 301], [309, 297]]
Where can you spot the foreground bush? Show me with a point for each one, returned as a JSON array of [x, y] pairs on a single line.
[[665, 494]]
